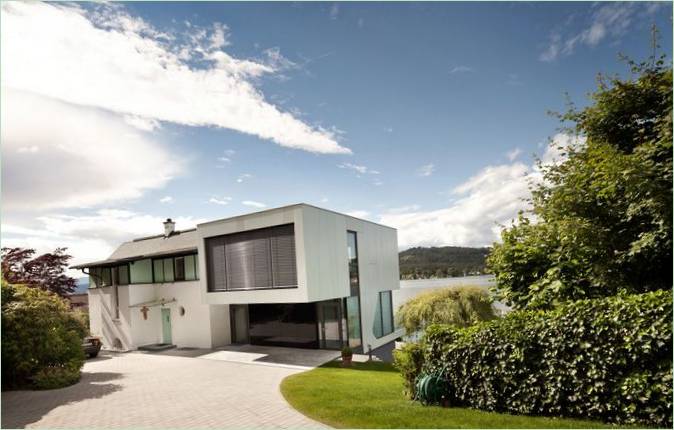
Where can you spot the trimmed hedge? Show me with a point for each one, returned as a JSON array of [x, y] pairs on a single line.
[[608, 359]]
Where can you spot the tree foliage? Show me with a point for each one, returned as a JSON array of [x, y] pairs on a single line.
[[46, 271], [41, 339], [460, 306], [601, 219]]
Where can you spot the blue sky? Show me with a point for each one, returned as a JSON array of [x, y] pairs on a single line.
[[423, 116]]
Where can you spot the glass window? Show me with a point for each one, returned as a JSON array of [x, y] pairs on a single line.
[[386, 312], [353, 321], [106, 276], [122, 274], [141, 271], [383, 316], [93, 277], [179, 267], [168, 270], [352, 250], [158, 267], [190, 268], [378, 328]]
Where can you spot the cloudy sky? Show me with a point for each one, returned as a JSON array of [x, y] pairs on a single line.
[[424, 117]]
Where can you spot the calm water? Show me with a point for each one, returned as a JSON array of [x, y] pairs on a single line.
[[412, 288]]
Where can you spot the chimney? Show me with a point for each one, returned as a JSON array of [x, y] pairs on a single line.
[[169, 227]]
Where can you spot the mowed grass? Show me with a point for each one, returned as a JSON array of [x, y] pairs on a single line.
[[369, 395]]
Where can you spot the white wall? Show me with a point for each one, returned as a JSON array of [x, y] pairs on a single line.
[[194, 328], [102, 319], [191, 330]]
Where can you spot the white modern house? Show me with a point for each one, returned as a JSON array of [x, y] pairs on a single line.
[[297, 276]]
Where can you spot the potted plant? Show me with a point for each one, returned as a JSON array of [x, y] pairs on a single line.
[[347, 355]]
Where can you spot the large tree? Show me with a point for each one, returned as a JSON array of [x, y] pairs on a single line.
[[46, 271], [601, 219]]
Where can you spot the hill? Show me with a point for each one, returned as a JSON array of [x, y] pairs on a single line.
[[442, 262]]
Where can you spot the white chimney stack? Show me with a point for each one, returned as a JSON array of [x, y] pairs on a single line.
[[169, 227]]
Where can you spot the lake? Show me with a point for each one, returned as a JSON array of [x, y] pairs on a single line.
[[412, 288]]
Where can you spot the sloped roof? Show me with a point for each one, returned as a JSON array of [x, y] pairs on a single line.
[[146, 247]]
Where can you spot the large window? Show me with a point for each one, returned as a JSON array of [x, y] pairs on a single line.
[[352, 249], [353, 321], [100, 277], [256, 259], [173, 269], [146, 271], [141, 271], [383, 317], [353, 302]]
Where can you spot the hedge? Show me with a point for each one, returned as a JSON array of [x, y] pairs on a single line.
[[608, 359]]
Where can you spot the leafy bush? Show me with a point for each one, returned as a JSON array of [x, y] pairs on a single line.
[[39, 334], [409, 360], [600, 220], [607, 359], [51, 377], [461, 306]]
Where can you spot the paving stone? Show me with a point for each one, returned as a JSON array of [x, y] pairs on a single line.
[[159, 391]]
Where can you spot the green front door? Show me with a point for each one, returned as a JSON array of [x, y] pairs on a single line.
[[166, 325]]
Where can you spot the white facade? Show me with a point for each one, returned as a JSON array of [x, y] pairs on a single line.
[[201, 318]]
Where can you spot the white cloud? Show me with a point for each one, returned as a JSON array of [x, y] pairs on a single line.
[[243, 177], [220, 200], [100, 56], [513, 154], [88, 237], [360, 169], [426, 170], [224, 159], [461, 69], [275, 60], [254, 204], [359, 214], [492, 197], [610, 19], [77, 157], [144, 124], [167, 199]]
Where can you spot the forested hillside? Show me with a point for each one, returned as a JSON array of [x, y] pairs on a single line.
[[442, 262]]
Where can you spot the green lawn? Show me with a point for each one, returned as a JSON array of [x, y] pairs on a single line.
[[369, 395]]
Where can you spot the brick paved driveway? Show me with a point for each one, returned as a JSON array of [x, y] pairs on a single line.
[[147, 390]]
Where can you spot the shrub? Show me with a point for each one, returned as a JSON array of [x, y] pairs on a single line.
[[51, 377], [39, 334], [461, 306], [608, 359], [409, 360]]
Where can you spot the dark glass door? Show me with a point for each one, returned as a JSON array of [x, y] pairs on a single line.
[[239, 321], [330, 324]]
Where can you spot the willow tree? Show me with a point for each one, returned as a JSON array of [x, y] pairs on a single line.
[[460, 306]]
